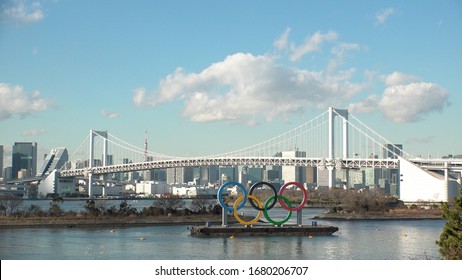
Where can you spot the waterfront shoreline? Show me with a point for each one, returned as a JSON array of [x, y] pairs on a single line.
[[66, 222], [377, 217]]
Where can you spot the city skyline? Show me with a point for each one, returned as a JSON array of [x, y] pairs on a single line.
[[193, 73]]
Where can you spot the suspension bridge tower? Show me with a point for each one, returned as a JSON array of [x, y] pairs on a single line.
[[343, 114], [91, 163]]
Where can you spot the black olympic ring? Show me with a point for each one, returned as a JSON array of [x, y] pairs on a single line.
[[252, 188]]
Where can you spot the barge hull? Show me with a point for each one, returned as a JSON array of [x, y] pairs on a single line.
[[261, 230]]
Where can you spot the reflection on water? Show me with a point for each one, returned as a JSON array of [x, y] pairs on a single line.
[[355, 240]]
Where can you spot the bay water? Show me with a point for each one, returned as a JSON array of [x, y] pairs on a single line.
[[355, 240]]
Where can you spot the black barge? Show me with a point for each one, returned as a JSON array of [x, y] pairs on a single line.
[[261, 230]]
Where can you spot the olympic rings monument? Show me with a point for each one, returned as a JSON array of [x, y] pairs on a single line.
[[256, 227]]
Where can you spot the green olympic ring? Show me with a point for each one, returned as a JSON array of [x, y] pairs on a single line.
[[265, 211]]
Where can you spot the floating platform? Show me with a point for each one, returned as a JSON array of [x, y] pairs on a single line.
[[261, 230]]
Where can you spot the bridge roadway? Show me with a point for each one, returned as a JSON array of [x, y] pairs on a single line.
[[454, 164], [349, 163]]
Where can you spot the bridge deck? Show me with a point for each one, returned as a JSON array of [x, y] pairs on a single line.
[[234, 161]]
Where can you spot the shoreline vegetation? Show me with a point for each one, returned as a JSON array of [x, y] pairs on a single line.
[[405, 214], [346, 205]]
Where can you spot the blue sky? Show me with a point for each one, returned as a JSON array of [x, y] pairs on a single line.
[[196, 74]]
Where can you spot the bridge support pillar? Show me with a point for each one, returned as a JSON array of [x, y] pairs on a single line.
[[90, 164], [103, 194], [446, 173], [331, 146]]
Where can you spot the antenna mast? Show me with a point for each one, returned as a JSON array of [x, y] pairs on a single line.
[[145, 145]]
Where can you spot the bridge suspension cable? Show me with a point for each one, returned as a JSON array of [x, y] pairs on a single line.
[[375, 137], [289, 140], [309, 140]]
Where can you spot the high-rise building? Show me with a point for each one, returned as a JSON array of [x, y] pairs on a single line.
[[294, 173], [229, 172], [1, 161], [243, 176], [392, 175], [159, 175], [311, 175], [392, 151], [254, 174], [372, 176], [54, 160], [271, 175], [207, 175], [8, 173], [180, 175], [24, 158]]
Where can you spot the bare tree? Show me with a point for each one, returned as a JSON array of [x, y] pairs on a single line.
[[11, 203], [170, 205], [202, 205]]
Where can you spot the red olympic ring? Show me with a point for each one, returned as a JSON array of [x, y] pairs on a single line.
[[302, 204]]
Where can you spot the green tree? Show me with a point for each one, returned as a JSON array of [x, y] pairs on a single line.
[[450, 242], [91, 208], [126, 209], [55, 206]]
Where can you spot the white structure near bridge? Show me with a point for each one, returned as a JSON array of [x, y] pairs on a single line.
[[193, 191], [152, 188], [418, 184]]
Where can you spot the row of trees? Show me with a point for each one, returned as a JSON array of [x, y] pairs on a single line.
[[338, 199], [11, 206]]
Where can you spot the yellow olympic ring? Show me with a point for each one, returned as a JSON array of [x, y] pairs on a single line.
[[236, 204]]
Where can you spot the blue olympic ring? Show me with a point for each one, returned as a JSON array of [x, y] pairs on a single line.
[[220, 193]]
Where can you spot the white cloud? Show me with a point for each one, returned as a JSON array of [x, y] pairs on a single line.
[[382, 15], [405, 99], [109, 115], [283, 41], [33, 132], [247, 88], [340, 52], [243, 87], [367, 105], [139, 96], [312, 44], [342, 48], [420, 140], [411, 102], [252, 123], [398, 78], [22, 13], [14, 100]]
